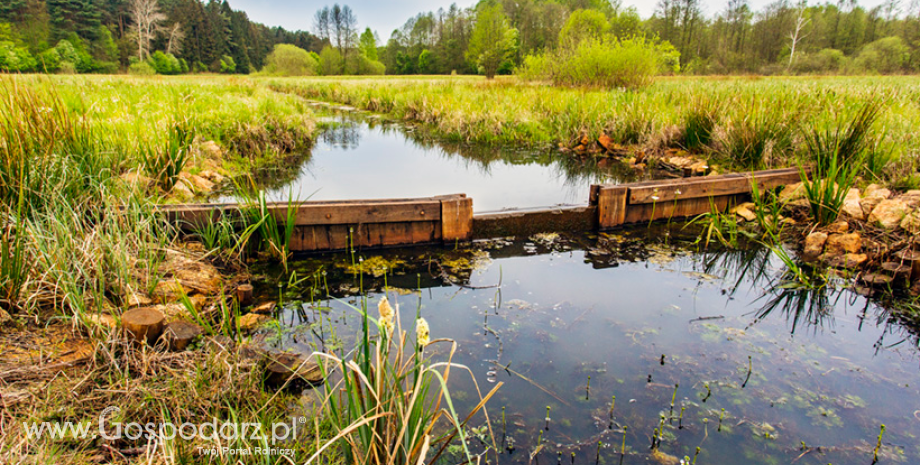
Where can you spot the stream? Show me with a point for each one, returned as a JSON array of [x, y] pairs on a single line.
[[760, 372]]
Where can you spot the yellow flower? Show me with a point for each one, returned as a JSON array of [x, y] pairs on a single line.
[[422, 332], [387, 314]]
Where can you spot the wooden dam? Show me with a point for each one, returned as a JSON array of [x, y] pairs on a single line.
[[337, 225]]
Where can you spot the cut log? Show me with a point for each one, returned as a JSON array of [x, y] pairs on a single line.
[[283, 367], [144, 324], [244, 294], [179, 334]]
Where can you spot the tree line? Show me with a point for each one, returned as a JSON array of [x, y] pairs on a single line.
[[492, 37]]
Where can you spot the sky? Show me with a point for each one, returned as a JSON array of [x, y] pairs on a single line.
[[383, 16]]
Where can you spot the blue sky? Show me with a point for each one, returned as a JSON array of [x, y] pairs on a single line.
[[384, 16]]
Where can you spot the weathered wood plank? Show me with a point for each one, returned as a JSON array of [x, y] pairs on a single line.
[[611, 206], [528, 223], [681, 208], [692, 188], [456, 218]]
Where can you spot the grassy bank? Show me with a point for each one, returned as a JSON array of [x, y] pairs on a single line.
[[741, 122]]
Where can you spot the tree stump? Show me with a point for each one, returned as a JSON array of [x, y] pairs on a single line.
[[144, 324], [244, 294], [283, 367], [179, 334]]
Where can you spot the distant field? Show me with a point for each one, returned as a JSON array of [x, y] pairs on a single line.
[[745, 122]]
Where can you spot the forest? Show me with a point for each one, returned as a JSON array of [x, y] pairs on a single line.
[[183, 36]]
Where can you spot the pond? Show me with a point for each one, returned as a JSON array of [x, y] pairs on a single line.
[[711, 347], [360, 156]]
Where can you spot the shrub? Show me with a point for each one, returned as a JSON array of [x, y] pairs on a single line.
[[629, 63], [141, 68], [15, 59], [227, 65], [884, 56], [827, 61], [165, 63], [290, 60], [330, 61]]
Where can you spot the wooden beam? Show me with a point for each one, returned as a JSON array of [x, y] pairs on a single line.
[[611, 206], [529, 222], [456, 218], [710, 186]]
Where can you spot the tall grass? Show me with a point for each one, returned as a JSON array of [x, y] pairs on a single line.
[[838, 155], [389, 397], [762, 135], [164, 162]]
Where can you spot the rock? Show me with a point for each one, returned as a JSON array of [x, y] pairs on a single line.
[[840, 227], [606, 142], [840, 244], [889, 213], [745, 211], [264, 308], [848, 261], [874, 195], [201, 184], [210, 149], [852, 207], [136, 180], [814, 246], [101, 319], [179, 334], [212, 176], [204, 280], [911, 223], [144, 324], [663, 458], [138, 300], [168, 291], [251, 321], [182, 191], [911, 198], [792, 192], [4, 317], [282, 367]]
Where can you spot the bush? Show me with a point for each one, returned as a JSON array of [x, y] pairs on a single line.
[[49, 61], [227, 65], [584, 24], [165, 63], [884, 56], [290, 60], [827, 61], [330, 61], [630, 63], [141, 68], [15, 59]]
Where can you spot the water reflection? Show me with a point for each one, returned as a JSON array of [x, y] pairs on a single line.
[[358, 156], [640, 312]]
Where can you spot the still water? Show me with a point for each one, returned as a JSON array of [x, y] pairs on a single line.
[[764, 374], [363, 157]]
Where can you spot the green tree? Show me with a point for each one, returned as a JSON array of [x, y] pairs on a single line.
[[227, 64], [290, 60], [493, 40], [886, 56], [330, 61], [584, 24], [368, 44]]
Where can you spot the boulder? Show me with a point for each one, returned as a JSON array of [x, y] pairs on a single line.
[[101, 319], [840, 244], [200, 184], [911, 222], [848, 261], [138, 299], [4, 317], [840, 227], [264, 308], [605, 141], [873, 195], [852, 207], [210, 149], [745, 211], [911, 198], [251, 322], [889, 213], [814, 246], [284, 367]]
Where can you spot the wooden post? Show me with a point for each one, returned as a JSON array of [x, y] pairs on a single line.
[[456, 219], [611, 206]]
